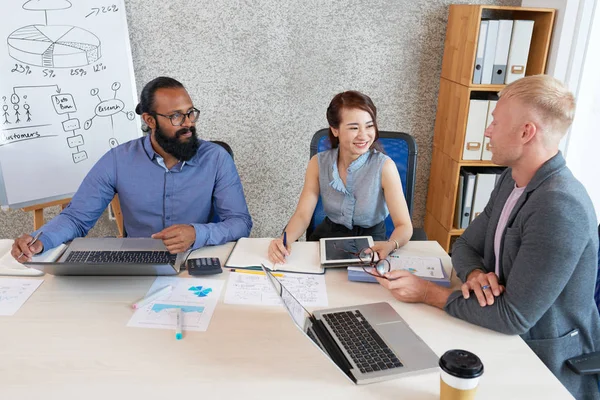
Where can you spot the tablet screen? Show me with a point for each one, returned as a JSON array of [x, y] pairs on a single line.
[[344, 249]]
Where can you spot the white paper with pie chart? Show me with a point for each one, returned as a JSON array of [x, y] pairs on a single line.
[[54, 46]]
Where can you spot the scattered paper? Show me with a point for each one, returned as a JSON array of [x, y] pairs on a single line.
[[196, 297], [255, 289], [424, 267], [14, 292]]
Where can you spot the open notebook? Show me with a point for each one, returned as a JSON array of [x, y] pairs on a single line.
[[250, 253], [9, 266]]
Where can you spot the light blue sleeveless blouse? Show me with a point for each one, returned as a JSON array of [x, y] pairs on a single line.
[[360, 202]]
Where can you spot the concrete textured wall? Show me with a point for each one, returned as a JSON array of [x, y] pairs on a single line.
[[263, 72]]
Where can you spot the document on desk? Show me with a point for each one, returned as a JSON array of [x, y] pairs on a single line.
[[14, 292], [196, 297], [424, 267], [255, 289]]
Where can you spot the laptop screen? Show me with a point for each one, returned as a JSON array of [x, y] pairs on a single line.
[[293, 306]]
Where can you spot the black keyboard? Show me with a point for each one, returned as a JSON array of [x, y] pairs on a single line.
[[113, 257], [366, 348]]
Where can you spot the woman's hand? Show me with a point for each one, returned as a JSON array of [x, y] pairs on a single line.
[[383, 249], [278, 252]]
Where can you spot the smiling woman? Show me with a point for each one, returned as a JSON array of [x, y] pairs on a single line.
[[358, 184]]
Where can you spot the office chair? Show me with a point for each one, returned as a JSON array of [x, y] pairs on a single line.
[[116, 206], [591, 360], [597, 294], [225, 146], [402, 149]]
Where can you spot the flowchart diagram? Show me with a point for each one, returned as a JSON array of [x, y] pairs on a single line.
[[64, 105], [108, 108]]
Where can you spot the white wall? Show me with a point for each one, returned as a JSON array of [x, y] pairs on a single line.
[[572, 60], [583, 145]]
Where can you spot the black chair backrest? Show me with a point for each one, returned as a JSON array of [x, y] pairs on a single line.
[[225, 146], [597, 294]]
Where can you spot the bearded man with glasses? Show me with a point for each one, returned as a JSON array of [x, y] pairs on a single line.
[[172, 185]]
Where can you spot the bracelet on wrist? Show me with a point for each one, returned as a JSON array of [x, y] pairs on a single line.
[[396, 244]]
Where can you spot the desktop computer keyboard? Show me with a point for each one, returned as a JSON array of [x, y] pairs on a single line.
[[366, 348], [113, 257]]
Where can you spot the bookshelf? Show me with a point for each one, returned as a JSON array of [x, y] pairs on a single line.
[[456, 90]]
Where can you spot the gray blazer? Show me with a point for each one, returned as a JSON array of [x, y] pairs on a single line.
[[548, 263]]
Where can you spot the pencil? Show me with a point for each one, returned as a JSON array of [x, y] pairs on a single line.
[[247, 271]]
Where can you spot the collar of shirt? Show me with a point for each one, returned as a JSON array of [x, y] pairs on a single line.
[[157, 158], [337, 182]]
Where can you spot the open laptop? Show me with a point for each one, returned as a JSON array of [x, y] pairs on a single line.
[[368, 343], [112, 256]]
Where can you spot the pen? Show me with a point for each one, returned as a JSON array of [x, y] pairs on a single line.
[[245, 271], [159, 293], [32, 242], [285, 239], [179, 325]]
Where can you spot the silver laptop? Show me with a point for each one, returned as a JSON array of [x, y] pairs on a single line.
[[113, 256], [369, 343]]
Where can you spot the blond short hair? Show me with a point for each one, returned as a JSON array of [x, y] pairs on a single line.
[[549, 97]]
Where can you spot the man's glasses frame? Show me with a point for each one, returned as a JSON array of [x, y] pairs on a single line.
[[177, 119], [377, 268]]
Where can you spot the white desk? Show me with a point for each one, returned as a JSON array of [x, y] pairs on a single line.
[[69, 341]]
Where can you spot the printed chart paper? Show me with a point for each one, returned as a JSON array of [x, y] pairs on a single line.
[[424, 267], [197, 299]]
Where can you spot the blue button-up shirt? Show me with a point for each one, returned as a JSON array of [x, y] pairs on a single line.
[[153, 197]]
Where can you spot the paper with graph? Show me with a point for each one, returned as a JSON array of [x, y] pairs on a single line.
[[197, 299], [14, 292], [425, 267]]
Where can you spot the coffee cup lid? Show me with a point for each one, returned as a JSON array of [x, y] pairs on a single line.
[[461, 363]]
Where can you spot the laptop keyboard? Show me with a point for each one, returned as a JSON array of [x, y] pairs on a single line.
[[366, 348], [120, 257]]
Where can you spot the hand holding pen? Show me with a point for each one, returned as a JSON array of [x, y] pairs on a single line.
[[24, 247], [279, 249]]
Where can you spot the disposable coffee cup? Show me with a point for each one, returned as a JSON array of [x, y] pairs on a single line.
[[460, 375]]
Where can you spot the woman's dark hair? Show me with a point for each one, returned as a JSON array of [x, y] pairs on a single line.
[[146, 104], [348, 100]]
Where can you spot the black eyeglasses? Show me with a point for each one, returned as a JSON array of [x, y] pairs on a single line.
[[178, 118], [367, 261]]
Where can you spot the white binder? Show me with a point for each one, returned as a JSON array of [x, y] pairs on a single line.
[[459, 201], [489, 53], [469, 188], [475, 127], [505, 27], [486, 154], [479, 56], [484, 184], [519, 50]]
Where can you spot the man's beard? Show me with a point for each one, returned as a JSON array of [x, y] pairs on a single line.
[[181, 150]]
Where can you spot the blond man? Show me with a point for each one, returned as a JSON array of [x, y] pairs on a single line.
[[528, 263]]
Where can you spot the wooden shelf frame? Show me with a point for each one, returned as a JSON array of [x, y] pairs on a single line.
[[456, 89]]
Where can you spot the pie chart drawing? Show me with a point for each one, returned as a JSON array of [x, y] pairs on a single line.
[[54, 46]]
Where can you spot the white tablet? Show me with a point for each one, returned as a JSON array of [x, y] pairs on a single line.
[[343, 251]]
